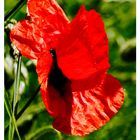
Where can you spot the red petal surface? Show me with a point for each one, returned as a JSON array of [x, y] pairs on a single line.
[[43, 67], [83, 47], [47, 14], [83, 112], [28, 39], [37, 35]]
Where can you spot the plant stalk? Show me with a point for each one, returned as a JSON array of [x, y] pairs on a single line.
[[15, 9], [15, 99], [11, 115]]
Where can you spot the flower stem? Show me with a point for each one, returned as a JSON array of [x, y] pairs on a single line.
[[25, 106], [27, 103], [15, 99], [11, 115], [16, 84], [15, 9]]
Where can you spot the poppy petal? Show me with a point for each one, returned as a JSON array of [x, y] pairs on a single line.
[[91, 109], [26, 36], [55, 105], [47, 14], [43, 67], [83, 47]]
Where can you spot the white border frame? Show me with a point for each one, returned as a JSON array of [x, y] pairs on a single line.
[[2, 69], [138, 69]]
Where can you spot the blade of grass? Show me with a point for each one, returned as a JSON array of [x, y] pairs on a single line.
[[15, 99], [11, 133], [39, 132], [27, 103], [15, 9], [43, 130], [16, 84], [11, 115], [25, 106]]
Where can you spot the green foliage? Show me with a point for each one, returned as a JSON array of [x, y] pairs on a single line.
[[120, 24]]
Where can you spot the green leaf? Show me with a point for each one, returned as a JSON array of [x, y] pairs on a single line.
[[43, 132]]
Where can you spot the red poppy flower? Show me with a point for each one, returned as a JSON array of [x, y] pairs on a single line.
[[72, 64]]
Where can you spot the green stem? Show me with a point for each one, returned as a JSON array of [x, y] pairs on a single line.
[[11, 115], [27, 103], [15, 99], [15, 9], [25, 106], [16, 84], [41, 131]]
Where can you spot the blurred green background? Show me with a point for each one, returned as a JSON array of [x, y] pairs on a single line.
[[120, 23]]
